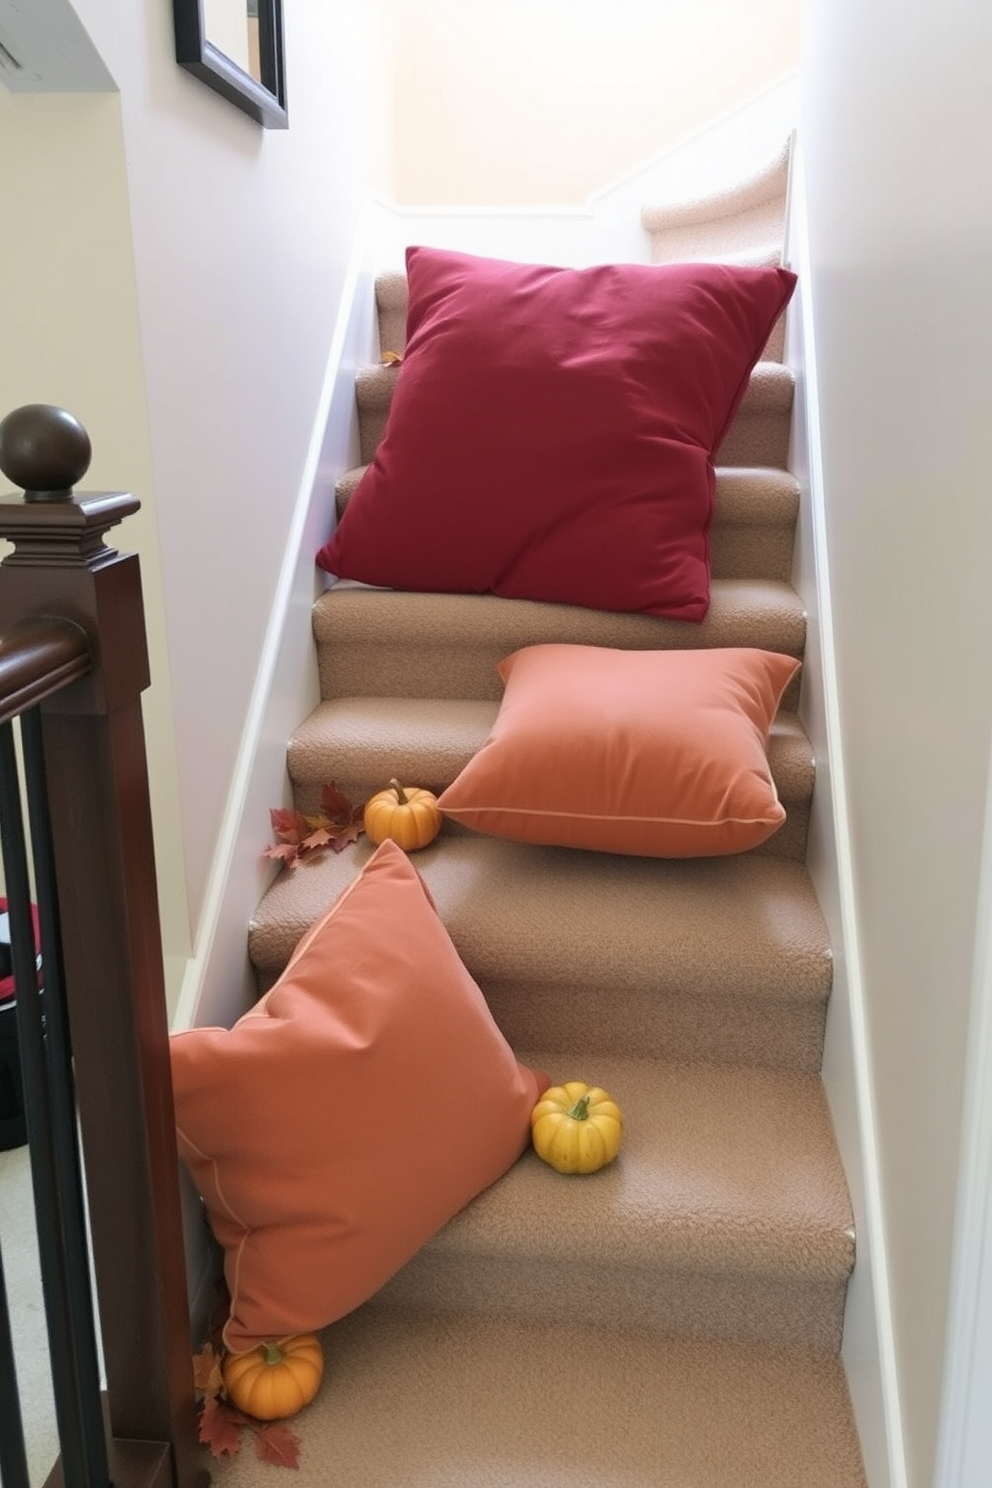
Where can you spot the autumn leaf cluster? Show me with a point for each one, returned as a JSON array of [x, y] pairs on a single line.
[[337, 823], [222, 1424]]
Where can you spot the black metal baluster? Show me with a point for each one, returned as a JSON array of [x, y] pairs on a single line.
[[58, 1044], [13, 1457], [77, 1405]]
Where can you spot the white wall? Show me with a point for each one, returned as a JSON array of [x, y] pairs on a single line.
[[606, 227], [241, 245], [509, 102], [895, 112]]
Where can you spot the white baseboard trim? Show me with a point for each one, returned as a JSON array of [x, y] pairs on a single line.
[[964, 1449], [868, 1350]]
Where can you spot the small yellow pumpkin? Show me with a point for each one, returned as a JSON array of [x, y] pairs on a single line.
[[576, 1127], [275, 1380], [408, 816]]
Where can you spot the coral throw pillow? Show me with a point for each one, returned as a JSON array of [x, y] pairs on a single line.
[[656, 753], [363, 1101], [552, 431]]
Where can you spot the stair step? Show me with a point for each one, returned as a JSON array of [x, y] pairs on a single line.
[[392, 643], [410, 1401], [754, 521], [759, 434], [710, 959], [362, 743], [745, 215], [725, 1216], [754, 524], [392, 296]]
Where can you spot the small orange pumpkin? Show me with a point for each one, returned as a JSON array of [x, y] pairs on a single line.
[[408, 816], [275, 1380]]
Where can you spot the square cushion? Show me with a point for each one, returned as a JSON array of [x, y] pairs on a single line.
[[363, 1101], [552, 431], [656, 753]]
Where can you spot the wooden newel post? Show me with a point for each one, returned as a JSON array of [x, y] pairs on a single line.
[[94, 745]]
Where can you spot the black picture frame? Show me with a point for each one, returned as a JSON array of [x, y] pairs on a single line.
[[264, 101]]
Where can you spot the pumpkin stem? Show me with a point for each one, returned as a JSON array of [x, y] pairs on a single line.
[[580, 1111], [272, 1352], [401, 795]]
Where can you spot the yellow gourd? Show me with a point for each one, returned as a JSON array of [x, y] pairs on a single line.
[[576, 1127], [275, 1380], [408, 816]]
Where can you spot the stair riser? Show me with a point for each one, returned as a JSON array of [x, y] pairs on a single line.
[[667, 1304], [408, 667], [682, 1029], [757, 437], [775, 348], [788, 842], [745, 238], [738, 552], [739, 548], [392, 321]]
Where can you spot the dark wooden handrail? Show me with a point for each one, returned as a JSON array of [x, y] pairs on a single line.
[[38, 657], [73, 650]]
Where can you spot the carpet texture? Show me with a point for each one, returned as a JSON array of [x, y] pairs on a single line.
[[675, 1320]]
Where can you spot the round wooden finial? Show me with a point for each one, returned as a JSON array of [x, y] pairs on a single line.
[[44, 450]]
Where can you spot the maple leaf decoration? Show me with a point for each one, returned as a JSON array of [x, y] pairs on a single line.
[[222, 1423], [336, 824]]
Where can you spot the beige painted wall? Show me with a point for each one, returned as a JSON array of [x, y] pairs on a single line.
[[548, 101], [901, 237], [71, 338], [199, 366], [225, 24]]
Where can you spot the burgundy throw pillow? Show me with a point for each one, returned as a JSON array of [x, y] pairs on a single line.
[[552, 431]]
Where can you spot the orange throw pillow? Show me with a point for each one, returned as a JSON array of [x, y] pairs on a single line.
[[656, 753], [362, 1102]]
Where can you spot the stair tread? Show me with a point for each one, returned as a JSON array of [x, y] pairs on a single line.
[[770, 385], [464, 1402], [744, 926], [766, 186], [427, 741], [720, 1170], [758, 432], [397, 643], [725, 1215]]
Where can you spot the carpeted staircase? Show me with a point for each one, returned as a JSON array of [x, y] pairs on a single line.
[[673, 1321]]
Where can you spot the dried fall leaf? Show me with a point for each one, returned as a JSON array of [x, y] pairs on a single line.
[[348, 833], [290, 825], [208, 1380], [390, 359], [276, 1444], [318, 838], [338, 823], [335, 805], [288, 852], [220, 1428]]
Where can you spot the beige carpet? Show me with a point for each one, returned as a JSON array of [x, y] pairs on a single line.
[[414, 1401], [675, 1321], [23, 1283]]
